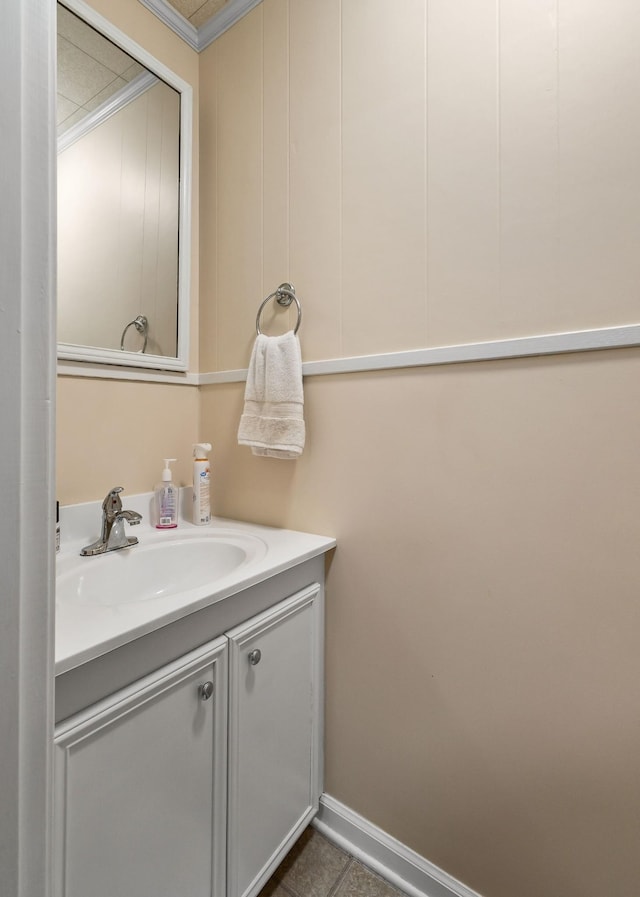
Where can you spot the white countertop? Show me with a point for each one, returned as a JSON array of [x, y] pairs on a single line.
[[85, 631]]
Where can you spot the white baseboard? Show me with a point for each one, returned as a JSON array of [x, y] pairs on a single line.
[[392, 860]]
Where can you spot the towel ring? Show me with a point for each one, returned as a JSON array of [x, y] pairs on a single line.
[[284, 296], [142, 326]]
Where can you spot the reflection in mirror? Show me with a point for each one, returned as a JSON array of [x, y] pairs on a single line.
[[119, 197]]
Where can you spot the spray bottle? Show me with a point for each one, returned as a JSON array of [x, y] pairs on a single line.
[[201, 484]]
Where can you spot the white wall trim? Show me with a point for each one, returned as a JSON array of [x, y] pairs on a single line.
[[392, 860], [214, 377], [520, 347]]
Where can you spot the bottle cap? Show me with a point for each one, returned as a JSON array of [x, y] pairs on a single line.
[[200, 450], [166, 473]]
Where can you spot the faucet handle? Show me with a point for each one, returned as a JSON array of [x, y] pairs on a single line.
[[112, 503]]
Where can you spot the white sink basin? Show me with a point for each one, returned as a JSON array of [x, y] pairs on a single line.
[[161, 567]]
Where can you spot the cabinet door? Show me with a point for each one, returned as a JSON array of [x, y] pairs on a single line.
[[141, 786], [275, 701]]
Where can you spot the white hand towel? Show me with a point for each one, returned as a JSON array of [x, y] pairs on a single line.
[[272, 422]]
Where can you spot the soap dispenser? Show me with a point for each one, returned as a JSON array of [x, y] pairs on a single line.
[[166, 499]]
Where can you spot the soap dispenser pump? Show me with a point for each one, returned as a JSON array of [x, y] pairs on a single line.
[[166, 499]]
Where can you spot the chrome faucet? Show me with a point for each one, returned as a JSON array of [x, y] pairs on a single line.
[[113, 535]]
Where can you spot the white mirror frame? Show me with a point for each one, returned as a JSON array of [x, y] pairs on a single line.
[[70, 352]]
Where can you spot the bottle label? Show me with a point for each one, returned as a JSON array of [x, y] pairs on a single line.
[[167, 507], [201, 497]]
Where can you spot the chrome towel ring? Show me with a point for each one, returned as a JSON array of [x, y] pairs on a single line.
[[284, 296], [142, 326]]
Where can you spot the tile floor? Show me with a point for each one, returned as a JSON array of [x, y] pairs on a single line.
[[317, 868]]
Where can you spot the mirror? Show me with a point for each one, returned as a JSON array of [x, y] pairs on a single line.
[[124, 156]]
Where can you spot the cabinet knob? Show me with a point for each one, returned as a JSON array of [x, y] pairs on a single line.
[[206, 690], [254, 657]]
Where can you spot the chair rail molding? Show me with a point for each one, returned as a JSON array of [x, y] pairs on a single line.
[[622, 337]]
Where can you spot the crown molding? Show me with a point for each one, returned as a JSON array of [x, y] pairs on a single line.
[[199, 38], [105, 110], [172, 18], [231, 13]]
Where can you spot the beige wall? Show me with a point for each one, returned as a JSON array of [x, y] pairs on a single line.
[[482, 610], [111, 432], [426, 178], [116, 433], [482, 660], [421, 179]]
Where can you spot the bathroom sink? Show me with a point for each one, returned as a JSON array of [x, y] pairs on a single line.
[[164, 566]]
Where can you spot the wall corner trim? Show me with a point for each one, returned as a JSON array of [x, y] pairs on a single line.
[[391, 859]]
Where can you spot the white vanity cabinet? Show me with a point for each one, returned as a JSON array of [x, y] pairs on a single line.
[[275, 699], [196, 779], [141, 784]]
